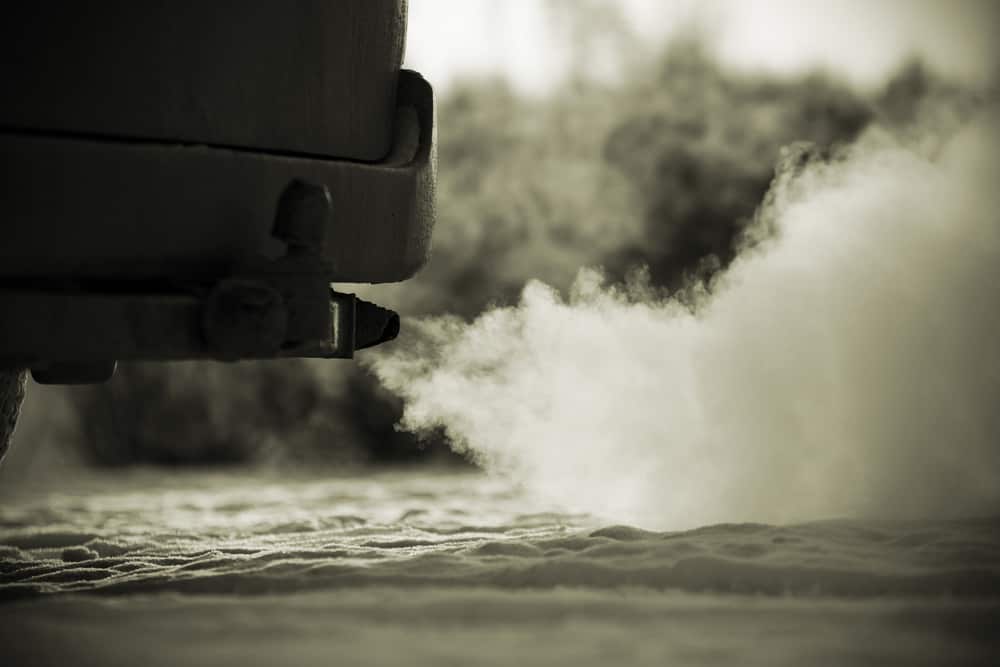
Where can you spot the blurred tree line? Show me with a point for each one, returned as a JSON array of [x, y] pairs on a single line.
[[662, 168]]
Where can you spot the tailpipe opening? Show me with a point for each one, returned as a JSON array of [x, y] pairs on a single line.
[[373, 324]]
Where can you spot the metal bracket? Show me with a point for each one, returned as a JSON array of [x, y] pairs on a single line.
[[274, 305]]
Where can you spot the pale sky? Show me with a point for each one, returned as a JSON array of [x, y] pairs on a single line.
[[862, 40]]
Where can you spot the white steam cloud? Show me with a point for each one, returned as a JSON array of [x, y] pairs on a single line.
[[848, 364]]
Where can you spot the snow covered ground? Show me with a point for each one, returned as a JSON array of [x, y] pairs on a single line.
[[454, 567]]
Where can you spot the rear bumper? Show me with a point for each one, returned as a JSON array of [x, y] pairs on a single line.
[[79, 208], [139, 250]]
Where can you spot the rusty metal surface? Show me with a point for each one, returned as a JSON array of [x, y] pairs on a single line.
[[40, 327], [86, 209], [280, 307]]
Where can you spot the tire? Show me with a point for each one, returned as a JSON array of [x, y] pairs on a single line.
[[12, 385]]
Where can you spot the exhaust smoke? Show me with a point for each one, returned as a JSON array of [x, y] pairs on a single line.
[[846, 363]]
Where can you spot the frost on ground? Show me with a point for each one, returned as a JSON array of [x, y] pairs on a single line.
[[432, 567]]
